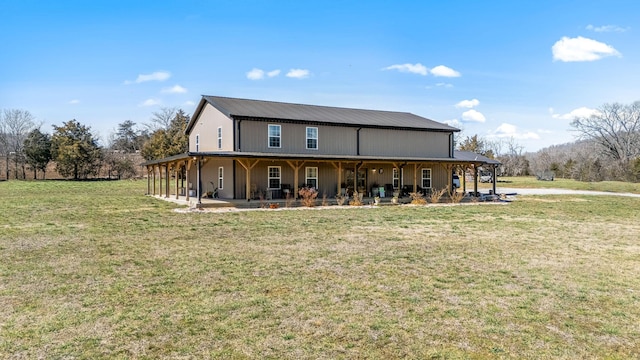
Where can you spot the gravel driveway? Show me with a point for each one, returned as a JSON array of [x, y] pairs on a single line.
[[506, 190]]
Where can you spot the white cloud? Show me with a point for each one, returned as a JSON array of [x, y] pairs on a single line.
[[189, 103], [150, 102], [176, 89], [410, 68], [473, 116], [273, 73], [446, 85], [581, 49], [511, 131], [74, 101], [444, 71], [583, 112], [255, 74], [298, 73], [156, 76], [468, 103], [607, 28]]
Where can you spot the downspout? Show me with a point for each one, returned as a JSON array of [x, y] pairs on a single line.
[[358, 141], [239, 136]]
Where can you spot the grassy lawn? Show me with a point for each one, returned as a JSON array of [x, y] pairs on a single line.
[[97, 270], [532, 182]]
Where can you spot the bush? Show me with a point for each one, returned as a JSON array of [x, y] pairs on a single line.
[[436, 195], [308, 196], [417, 198]]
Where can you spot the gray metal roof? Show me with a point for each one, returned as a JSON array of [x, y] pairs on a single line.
[[258, 109], [474, 157]]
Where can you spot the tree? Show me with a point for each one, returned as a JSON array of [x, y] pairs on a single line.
[[37, 150], [162, 119], [17, 124], [127, 138], [75, 150], [616, 129], [118, 165], [168, 141], [477, 145]]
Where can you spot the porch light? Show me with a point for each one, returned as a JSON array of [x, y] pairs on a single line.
[[373, 170], [381, 170]]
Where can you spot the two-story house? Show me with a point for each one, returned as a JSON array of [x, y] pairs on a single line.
[[244, 149]]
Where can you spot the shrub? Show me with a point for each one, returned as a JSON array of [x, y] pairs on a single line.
[[436, 195], [340, 200], [308, 196], [417, 198], [357, 199], [456, 196]]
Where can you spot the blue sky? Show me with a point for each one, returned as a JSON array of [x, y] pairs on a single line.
[[499, 69]]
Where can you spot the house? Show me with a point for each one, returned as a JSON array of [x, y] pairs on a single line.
[[245, 149]]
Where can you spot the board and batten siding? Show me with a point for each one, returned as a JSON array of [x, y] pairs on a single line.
[[332, 140], [388, 142], [207, 128]]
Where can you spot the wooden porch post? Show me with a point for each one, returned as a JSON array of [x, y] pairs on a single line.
[[339, 179], [166, 180], [187, 176], [296, 175], [176, 166], [415, 177], [148, 181], [153, 168], [247, 167], [160, 180]]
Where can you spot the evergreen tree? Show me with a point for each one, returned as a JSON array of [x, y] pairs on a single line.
[[37, 150], [75, 150]]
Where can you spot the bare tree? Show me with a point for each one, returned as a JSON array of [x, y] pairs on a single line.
[[161, 119], [616, 128], [17, 125]]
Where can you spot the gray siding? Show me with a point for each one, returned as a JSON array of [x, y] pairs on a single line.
[[207, 127], [337, 140], [387, 142]]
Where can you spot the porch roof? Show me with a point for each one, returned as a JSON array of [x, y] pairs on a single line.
[[461, 157]]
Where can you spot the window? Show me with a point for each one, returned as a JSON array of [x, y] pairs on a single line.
[[197, 142], [312, 138], [274, 136], [426, 178], [274, 177], [220, 177], [311, 177], [396, 178], [219, 138]]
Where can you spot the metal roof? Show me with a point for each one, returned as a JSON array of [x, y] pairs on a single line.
[[259, 109], [474, 157]]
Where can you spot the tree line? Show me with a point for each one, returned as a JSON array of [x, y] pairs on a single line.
[[608, 148], [76, 151]]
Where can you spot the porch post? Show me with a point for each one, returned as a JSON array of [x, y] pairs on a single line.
[[188, 164], [153, 168], [198, 183], [148, 181], [415, 177], [475, 179], [339, 179], [495, 180], [166, 180], [160, 180], [247, 167], [175, 170]]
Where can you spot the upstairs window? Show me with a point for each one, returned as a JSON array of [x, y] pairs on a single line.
[[312, 138], [274, 136], [197, 142], [219, 138]]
